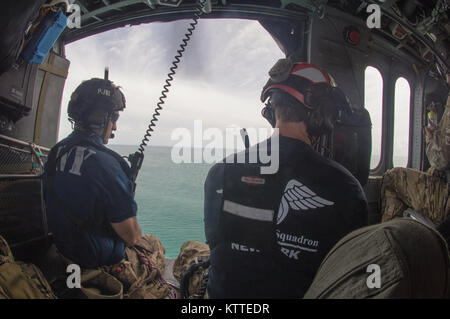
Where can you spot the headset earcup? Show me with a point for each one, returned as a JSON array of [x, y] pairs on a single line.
[[315, 121], [269, 114], [319, 123]]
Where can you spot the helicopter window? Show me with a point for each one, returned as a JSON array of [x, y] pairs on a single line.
[[401, 122], [373, 101]]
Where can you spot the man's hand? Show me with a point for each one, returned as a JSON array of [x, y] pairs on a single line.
[[129, 230]]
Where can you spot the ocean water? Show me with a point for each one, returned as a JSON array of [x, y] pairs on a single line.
[[169, 196]]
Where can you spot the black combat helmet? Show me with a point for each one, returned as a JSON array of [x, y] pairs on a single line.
[[94, 95]]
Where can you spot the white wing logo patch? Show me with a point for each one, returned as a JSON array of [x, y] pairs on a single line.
[[299, 197]]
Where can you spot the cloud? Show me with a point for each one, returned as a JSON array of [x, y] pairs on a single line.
[[218, 80]]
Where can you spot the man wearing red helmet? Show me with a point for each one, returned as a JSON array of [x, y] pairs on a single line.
[[268, 233]]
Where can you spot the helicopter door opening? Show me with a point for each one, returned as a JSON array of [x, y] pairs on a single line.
[[215, 92]]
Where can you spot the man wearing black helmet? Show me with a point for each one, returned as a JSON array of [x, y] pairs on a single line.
[[268, 233], [89, 195]]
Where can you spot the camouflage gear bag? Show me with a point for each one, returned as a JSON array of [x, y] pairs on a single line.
[[401, 258], [141, 271], [97, 284], [191, 269], [19, 280], [423, 192]]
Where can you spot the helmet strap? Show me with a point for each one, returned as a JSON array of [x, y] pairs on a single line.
[[105, 126]]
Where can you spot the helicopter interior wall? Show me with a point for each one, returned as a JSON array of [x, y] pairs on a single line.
[[328, 49], [22, 213], [40, 126], [347, 63], [289, 36]]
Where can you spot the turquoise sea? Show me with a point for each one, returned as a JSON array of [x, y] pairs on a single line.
[[169, 197]]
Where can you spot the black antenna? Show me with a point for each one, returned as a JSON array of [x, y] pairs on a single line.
[[106, 73], [245, 138]]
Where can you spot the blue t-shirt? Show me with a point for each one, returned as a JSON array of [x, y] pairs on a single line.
[[96, 188]]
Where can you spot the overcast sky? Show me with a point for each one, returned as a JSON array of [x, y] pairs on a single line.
[[218, 81]]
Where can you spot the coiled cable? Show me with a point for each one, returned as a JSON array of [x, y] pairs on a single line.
[[169, 79], [137, 158]]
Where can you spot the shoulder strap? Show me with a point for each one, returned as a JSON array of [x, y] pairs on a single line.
[[72, 215]]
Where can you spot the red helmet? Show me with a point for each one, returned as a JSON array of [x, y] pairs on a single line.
[[312, 87], [295, 79]]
